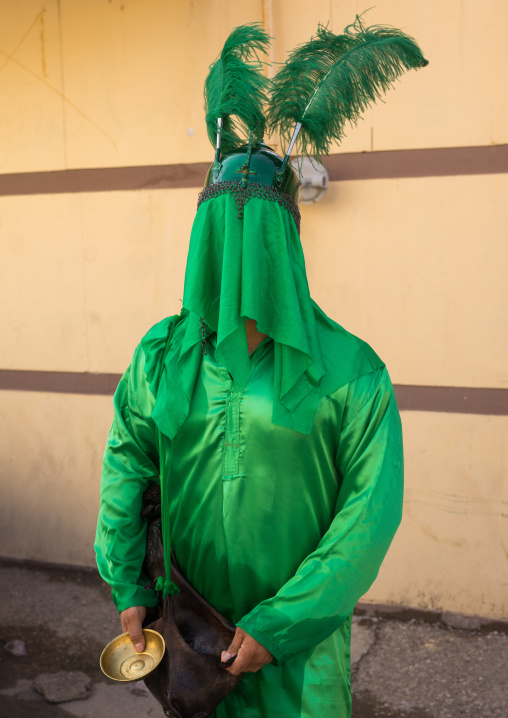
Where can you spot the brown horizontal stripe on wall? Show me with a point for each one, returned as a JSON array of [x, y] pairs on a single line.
[[433, 162], [59, 382], [453, 400], [104, 179]]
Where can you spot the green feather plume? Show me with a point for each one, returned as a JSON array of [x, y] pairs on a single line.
[[236, 88], [332, 79]]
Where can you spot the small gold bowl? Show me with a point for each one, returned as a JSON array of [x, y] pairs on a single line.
[[121, 662]]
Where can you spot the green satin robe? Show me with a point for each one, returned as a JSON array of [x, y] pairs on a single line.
[[281, 531]]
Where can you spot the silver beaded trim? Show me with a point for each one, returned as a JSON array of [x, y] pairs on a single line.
[[253, 189]]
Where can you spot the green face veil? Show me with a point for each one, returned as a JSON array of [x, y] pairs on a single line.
[[246, 262]]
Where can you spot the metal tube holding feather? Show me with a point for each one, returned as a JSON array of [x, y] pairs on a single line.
[[332, 79], [216, 163]]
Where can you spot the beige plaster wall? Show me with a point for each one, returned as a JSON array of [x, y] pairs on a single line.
[[96, 83], [450, 552], [414, 266], [81, 291], [50, 457]]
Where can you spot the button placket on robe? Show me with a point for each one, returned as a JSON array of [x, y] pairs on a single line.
[[233, 478], [231, 446], [232, 431]]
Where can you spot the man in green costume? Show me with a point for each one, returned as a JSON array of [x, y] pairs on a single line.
[[279, 438]]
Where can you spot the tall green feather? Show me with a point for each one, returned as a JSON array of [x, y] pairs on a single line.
[[236, 88], [332, 79]]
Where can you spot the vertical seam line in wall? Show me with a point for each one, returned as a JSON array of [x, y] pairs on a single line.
[[62, 83], [83, 264]]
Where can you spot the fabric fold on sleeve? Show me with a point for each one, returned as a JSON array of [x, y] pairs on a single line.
[[329, 582], [130, 465]]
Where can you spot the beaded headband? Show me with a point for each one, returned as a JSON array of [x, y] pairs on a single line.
[[243, 195]]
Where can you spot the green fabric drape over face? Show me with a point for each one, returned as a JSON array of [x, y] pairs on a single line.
[[253, 268]]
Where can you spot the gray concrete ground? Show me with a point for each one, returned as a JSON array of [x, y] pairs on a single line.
[[400, 669]]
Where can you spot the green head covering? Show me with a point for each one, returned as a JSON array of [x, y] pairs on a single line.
[[246, 261], [253, 268], [245, 258]]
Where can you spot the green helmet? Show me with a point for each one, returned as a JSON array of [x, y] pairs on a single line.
[[257, 165], [254, 171]]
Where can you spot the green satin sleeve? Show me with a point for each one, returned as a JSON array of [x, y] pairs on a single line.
[[130, 464], [329, 582]]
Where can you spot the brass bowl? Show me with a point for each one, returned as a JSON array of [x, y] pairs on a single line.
[[121, 662]]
